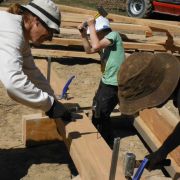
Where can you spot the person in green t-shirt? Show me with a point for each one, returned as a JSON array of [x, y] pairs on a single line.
[[110, 47]]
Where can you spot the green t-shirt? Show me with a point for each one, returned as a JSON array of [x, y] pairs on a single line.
[[111, 59]]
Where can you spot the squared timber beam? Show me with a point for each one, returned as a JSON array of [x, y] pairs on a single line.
[[89, 152], [155, 125], [36, 132]]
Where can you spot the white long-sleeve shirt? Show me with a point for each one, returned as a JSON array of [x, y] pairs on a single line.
[[18, 72]]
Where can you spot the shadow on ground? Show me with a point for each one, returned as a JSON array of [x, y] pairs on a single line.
[[74, 61], [15, 163]]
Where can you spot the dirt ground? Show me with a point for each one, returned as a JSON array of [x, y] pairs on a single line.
[[52, 162]]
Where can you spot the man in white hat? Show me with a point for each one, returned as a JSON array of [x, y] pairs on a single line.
[[35, 22], [109, 45]]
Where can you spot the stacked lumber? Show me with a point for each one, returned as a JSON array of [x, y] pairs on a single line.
[[137, 34], [130, 27]]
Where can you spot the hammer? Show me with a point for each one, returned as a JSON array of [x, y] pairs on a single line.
[[130, 163], [101, 12]]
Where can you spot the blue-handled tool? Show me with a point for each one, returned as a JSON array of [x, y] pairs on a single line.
[[140, 170], [64, 91]]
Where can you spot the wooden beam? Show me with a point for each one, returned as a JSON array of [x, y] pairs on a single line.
[[64, 42], [130, 28], [136, 38], [172, 28], [60, 53], [74, 17], [154, 126], [77, 10], [144, 46], [90, 153], [72, 31], [127, 46], [38, 132]]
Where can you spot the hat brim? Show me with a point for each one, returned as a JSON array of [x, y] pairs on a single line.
[[98, 30], [162, 93], [42, 17]]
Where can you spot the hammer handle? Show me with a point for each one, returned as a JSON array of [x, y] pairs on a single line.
[[164, 162]]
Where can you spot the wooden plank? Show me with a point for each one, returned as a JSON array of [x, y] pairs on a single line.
[[144, 46], [72, 31], [60, 53], [131, 28], [154, 126], [127, 46], [64, 42], [77, 10], [97, 158], [73, 17], [136, 38], [151, 44], [37, 131], [90, 153]]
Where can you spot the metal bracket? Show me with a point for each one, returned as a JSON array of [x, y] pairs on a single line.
[[114, 158]]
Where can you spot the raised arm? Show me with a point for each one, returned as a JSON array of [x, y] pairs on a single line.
[[96, 43]]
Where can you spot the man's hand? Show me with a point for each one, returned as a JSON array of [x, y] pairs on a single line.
[[155, 158], [58, 110], [82, 30]]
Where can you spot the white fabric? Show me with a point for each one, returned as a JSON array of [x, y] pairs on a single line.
[[49, 7], [22, 79], [101, 23]]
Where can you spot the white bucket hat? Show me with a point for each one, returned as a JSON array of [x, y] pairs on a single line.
[[47, 11], [101, 23]]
